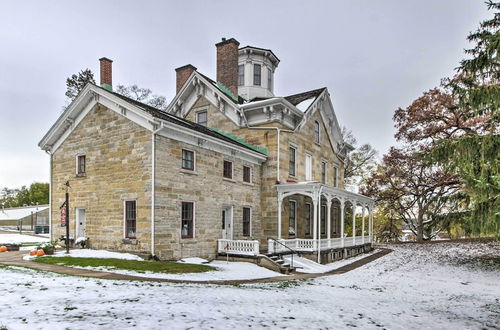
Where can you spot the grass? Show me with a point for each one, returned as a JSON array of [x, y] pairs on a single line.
[[134, 265]]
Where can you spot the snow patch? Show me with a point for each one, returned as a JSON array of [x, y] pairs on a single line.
[[196, 261]]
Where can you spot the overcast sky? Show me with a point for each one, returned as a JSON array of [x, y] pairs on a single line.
[[373, 56]]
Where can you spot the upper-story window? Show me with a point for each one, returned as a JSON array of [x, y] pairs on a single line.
[[241, 75], [256, 74], [269, 79], [247, 174], [228, 169], [80, 165], [335, 176], [316, 132], [188, 160], [323, 172], [201, 118], [291, 161]]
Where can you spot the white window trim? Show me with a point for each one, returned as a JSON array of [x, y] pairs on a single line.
[[125, 217], [194, 220], [310, 168], [295, 220], [194, 160], [251, 218]]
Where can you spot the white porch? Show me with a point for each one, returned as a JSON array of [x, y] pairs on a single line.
[[323, 196]]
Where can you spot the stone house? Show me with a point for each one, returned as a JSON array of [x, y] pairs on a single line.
[[228, 168]]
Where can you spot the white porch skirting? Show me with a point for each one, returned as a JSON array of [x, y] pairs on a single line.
[[310, 245], [238, 247]]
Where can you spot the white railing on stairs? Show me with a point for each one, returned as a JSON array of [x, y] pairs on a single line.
[[238, 247], [309, 245]]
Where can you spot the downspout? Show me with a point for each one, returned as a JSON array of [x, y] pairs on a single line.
[[319, 225], [153, 176], [50, 195], [278, 130]]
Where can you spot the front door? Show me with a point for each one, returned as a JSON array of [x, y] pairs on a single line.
[[227, 232], [80, 223]]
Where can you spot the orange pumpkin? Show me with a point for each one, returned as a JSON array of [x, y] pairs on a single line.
[[33, 253], [3, 248], [40, 253]]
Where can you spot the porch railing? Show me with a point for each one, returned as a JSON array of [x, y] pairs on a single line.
[[308, 244], [238, 247]]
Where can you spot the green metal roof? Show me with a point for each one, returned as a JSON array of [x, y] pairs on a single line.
[[262, 150]]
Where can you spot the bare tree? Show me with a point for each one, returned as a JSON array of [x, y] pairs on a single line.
[[144, 95]]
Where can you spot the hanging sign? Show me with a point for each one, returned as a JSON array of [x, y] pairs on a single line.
[[63, 215]]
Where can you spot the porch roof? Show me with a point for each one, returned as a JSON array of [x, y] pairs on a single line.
[[315, 190]]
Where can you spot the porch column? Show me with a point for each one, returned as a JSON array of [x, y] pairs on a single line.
[[280, 201], [363, 225], [328, 220], [342, 221], [354, 223], [315, 224], [371, 224]]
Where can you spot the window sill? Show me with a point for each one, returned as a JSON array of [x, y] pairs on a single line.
[[188, 240], [131, 241], [182, 170], [248, 184], [81, 175], [229, 180]]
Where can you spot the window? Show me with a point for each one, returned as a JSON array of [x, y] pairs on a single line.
[[228, 169], [308, 167], [308, 219], [316, 132], [201, 118], [247, 174], [292, 216], [130, 219], [323, 172], [291, 162], [241, 75], [187, 226], [256, 74], [335, 176], [323, 219], [188, 160], [246, 221], [269, 79], [80, 165]]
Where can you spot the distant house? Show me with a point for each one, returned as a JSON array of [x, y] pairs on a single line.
[[28, 216], [228, 168]]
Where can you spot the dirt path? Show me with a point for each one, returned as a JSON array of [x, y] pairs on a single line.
[[15, 258]]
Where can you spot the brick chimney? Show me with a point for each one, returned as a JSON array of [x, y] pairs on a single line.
[[106, 73], [182, 75], [227, 64]]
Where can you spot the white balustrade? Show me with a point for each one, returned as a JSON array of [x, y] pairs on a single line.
[[238, 247]]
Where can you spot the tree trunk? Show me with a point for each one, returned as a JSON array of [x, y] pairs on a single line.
[[420, 227]]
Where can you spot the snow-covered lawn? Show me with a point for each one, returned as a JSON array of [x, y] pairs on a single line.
[[17, 238], [431, 286], [224, 270]]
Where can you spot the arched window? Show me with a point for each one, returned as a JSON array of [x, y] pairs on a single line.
[[316, 132]]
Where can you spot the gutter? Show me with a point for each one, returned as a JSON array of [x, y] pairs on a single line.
[[153, 181]]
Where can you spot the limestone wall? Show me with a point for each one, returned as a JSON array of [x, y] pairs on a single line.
[[209, 190], [118, 168]]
